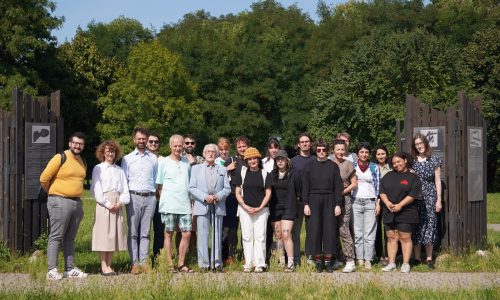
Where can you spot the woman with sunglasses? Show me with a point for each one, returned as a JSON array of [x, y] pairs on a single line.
[[322, 195], [349, 180], [366, 205]]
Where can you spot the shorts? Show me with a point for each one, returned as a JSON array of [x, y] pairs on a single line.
[[403, 227], [184, 221]]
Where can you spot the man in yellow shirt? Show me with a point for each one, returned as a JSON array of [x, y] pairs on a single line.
[[63, 181]]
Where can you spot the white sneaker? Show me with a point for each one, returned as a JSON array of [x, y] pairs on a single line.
[[405, 268], [390, 267], [350, 266], [368, 265], [259, 270], [75, 273], [53, 275]]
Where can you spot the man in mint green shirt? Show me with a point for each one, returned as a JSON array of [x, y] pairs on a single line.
[[175, 205]]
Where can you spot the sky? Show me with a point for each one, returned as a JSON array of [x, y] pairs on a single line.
[[153, 13]]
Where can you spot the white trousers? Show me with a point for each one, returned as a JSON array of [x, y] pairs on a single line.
[[253, 233]]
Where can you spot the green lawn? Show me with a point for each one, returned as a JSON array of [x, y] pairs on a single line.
[[493, 208], [89, 261]]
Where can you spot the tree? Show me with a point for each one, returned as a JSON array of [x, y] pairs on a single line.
[[116, 38], [153, 91], [25, 35], [249, 69], [366, 94], [481, 68]]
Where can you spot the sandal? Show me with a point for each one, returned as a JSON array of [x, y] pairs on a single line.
[[172, 269], [184, 269]]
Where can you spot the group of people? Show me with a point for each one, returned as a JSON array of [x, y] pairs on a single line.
[[352, 206]]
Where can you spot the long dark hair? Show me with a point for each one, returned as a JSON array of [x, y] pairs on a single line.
[[374, 154], [276, 173], [270, 142]]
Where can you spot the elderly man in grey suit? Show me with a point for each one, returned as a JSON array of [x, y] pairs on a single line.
[[209, 185]]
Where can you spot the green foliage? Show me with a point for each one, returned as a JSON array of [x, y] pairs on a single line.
[[115, 39], [249, 69], [366, 94], [153, 91], [481, 68], [42, 242], [4, 252], [25, 36]]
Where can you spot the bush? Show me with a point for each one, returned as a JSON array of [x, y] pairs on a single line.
[[4, 252], [41, 242]]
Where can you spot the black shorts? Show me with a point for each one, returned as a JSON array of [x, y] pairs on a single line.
[[403, 227]]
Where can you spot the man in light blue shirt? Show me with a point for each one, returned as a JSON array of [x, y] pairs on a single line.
[[175, 204], [140, 168]]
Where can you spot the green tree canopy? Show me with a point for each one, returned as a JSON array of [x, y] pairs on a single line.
[[153, 91], [366, 94]]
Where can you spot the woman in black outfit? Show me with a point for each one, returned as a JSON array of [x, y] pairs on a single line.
[[322, 195], [283, 207], [398, 190]]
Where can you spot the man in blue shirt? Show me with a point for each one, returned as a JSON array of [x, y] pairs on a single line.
[[140, 167]]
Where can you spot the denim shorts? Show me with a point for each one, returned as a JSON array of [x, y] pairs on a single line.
[[184, 221]]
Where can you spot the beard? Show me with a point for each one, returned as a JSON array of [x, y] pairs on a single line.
[[189, 150]]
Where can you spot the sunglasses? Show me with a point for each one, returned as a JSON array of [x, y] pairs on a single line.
[[321, 150], [153, 142], [189, 143]]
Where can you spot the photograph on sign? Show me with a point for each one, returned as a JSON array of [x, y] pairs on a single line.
[[475, 138], [40, 134], [432, 136]]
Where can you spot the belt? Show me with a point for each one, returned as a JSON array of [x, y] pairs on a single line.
[[144, 194], [71, 198]]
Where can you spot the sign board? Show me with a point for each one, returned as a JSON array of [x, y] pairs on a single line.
[[475, 163], [40, 147], [436, 137]]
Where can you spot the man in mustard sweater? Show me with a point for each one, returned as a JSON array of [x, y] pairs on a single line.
[[63, 181]]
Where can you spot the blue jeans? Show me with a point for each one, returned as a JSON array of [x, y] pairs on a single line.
[[365, 227]]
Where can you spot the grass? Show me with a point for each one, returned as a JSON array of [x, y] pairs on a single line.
[[493, 208], [155, 286]]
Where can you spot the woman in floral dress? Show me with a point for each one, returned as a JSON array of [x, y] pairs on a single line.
[[428, 168]]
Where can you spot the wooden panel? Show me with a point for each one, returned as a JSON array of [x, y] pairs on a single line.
[[425, 119], [3, 168], [55, 104]]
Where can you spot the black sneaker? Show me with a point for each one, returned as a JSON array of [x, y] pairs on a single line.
[[329, 267], [430, 264], [319, 266], [415, 262]]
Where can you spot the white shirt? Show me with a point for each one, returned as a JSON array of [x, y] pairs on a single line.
[[365, 188], [140, 170], [109, 178], [268, 164]]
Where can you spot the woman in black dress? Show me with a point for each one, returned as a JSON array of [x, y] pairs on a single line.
[[283, 206]]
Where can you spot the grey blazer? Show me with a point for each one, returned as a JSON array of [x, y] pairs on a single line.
[[199, 190]]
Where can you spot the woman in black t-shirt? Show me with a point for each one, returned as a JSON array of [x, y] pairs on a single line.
[[398, 190], [253, 191]]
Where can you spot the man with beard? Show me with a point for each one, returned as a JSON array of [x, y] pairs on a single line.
[[189, 147], [140, 167], [230, 221], [63, 179]]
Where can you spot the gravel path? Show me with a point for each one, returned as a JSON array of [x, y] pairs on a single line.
[[428, 280]]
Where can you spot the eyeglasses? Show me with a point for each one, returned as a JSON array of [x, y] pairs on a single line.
[[321, 150], [189, 143], [78, 143], [153, 142]]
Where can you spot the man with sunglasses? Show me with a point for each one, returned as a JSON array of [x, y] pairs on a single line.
[[299, 163], [153, 146], [189, 148], [140, 167]]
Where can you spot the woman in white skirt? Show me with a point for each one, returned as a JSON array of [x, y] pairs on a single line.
[[110, 190]]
